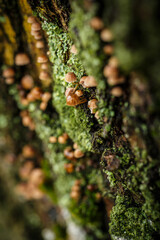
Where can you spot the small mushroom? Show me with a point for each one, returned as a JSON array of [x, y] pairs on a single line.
[[108, 49], [110, 71], [113, 61], [79, 93], [106, 35], [28, 151], [46, 96], [114, 81], [78, 153], [44, 76], [97, 115], [43, 106], [70, 77], [88, 81], [36, 177], [9, 80], [69, 167], [37, 93], [69, 91], [68, 153], [92, 104], [38, 36], [117, 92], [62, 139], [44, 66], [40, 44], [35, 26], [31, 19], [96, 23], [8, 73], [22, 59], [42, 59], [27, 82], [73, 49], [52, 139]]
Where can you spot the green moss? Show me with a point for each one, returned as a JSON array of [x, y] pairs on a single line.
[[129, 221]]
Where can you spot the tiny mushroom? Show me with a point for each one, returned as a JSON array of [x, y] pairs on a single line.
[[62, 139], [110, 71], [52, 139], [79, 93], [42, 59], [96, 23], [92, 104], [35, 26], [9, 80], [69, 167], [36, 177], [78, 153], [44, 66], [43, 106], [28, 151], [68, 153], [44, 75], [88, 81], [114, 81], [40, 44], [73, 49], [22, 59], [31, 19], [46, 96], [108, 49], [106, 35], [8, 73], [36, 92], [117, 92], [27, 82], [70, 77], [38, 36]]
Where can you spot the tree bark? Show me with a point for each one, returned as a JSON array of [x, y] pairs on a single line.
[[118, 139]]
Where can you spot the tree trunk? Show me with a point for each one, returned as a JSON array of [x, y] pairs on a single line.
[[100, 132]]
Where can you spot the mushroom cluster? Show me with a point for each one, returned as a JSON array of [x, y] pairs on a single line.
[[31, 176], [36, 32], [9, 75], [110, 71]]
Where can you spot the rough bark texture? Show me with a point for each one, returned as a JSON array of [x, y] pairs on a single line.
[[120, 166]]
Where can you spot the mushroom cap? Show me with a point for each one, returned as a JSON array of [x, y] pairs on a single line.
[[88, 81], [38, 36], [22, 59], [28, 151], [42, 59], [36, 92], [117, 92], [78, 153], [44, 75], [8, 72], [70, 77], [46, 96], [36, 26], [9, 80], [31, 19], [106, 35], [73, 49], [92, 103], [43, 106], [52, 139], [40, 44], [27, 82], [96, 23], [44, 66], [36, 177]]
